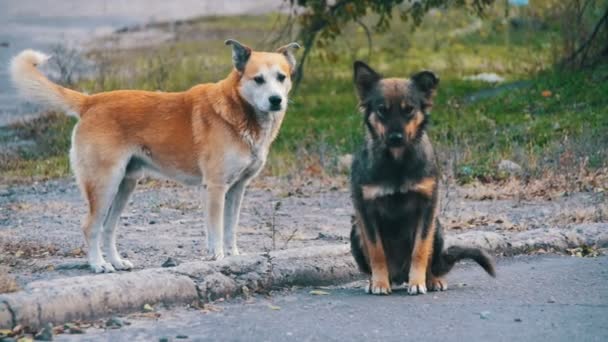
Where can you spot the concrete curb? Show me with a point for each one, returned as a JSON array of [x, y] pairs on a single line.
[[591, 234], [93, 296]]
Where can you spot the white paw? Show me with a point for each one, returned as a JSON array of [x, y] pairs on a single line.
[[233, 251], [438, 284], [214, 255], [378, 288], [415, 289], [122, 264], [102, 267]]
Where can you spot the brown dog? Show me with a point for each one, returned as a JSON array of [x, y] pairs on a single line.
[[217, 134], [396, 236]]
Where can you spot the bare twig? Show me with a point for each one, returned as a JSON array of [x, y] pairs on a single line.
[[584, 48], [368, 33]]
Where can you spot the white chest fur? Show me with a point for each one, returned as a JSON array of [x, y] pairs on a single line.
[[260, 144]]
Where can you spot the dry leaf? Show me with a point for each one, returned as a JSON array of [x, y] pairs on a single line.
[[274, 307], [318, 293]]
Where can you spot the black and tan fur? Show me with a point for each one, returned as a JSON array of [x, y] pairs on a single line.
[[396, 237]]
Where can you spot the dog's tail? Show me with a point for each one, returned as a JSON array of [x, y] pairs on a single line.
[[453, 254], [33, 85]]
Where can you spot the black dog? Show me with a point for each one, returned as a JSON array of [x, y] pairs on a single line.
[[396, 237]]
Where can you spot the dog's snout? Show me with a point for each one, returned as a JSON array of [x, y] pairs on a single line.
[[275, 100], [395, 138]]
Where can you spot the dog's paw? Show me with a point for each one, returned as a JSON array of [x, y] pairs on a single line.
[[232, 251], [437, 284], [102, 267], [378, 287], [122, 264], [214, 256], [416, 288]]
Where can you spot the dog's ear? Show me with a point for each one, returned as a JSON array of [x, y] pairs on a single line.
[[240, 54], [365, 79], [426, 81], [288, 52]]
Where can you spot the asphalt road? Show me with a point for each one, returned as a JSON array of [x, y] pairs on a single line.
[[551, 298]]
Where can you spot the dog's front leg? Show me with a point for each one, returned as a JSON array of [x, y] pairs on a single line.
[[421, 254], [216, 194], [379, 282], [234, 197]]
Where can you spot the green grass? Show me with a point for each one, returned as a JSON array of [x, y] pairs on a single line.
[[323, 122], [47, 158]]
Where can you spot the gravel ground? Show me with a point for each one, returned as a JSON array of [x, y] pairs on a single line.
[[40, 234]]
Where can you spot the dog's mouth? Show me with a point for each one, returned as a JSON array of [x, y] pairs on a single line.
[[275, 108], [395, 144]]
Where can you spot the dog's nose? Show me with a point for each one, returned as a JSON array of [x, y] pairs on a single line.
[[275, 100], [395, 138]]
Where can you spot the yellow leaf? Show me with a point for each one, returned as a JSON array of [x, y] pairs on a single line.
[[319, 293], [274, 307]]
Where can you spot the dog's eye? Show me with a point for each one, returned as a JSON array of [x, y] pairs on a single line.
[[259, 80], [408, 111], [281, 78]]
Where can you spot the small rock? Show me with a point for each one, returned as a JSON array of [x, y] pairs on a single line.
[[484, 315], [551, 300], [170, 262], [5, 192], [4, 44], [152, 222], [163, 339], [486, 77], [46, 334], [17, 329], [245, 291], [509, 167], [181, 337], [115, 323], [518, 320]]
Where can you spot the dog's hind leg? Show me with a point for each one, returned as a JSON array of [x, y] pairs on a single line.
[[109, 234], [99, 188], [234, 198]]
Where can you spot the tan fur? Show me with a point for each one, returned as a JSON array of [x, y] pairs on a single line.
[[374, 251], [207, 134], [425, 187], [411, 128], [421, 257]]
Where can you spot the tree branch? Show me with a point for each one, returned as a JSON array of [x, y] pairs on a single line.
[[369, 38]]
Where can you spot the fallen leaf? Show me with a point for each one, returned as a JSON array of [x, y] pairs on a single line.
[[318, 293], [546, 93], [274, 307]]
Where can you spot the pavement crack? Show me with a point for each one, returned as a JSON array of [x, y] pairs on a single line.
[[12, 312]]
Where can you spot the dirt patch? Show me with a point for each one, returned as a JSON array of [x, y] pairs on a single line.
[[40, 235], [7, 281]]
